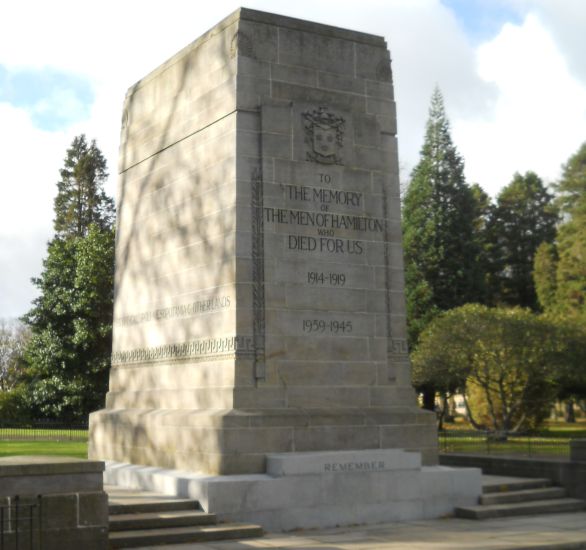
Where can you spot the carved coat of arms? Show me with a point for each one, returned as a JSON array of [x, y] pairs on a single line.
[[324, 134]]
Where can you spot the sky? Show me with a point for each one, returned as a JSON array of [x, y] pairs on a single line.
[[512, 73]]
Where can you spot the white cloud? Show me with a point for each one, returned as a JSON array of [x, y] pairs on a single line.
[[29, 170], [539, 115]]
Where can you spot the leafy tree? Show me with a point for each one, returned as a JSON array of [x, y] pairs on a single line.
[[560, 268], [569, 362], [544, 275], [570, 281], [523, 218], [71, 320], [507, 363]]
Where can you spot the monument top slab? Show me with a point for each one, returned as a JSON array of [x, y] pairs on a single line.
[[255, 16]]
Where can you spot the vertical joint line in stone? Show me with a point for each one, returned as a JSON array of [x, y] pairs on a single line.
[[258, 283], [390, 367]]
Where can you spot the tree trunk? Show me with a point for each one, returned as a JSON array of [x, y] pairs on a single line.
[[429, 399], [471, 419], [570, 415], [447, 409]]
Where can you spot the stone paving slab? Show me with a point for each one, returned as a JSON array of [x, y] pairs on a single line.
[[560, 531]]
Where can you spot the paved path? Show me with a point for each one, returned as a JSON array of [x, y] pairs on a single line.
[[562, 531]]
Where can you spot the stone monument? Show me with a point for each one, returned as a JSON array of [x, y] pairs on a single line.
[[259, 301]]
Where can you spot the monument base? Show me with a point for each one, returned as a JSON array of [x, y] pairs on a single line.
[[237, 441], [318, 489]]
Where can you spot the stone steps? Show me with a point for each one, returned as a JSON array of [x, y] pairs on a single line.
[[152, 505], [508, 497], [176, 535], [152, 520], [500, 484], [523, 496], [142, 519], [550, 506]]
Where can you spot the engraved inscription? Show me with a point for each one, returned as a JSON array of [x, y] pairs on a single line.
[[324, 196], [321, 278], [326, 223], [372, 466], [325, 220], [324, 244], [398, 347], [324, 136], [175, 312], [321, 326]]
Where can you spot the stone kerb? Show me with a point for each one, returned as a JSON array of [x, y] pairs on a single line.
[[65, 497]]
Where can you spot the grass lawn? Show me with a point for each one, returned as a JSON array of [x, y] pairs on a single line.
[[550, 428], [77, 449], [553, 439]]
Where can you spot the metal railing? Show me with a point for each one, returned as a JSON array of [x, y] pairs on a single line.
[[20, 524], [42, 430], [495, 443]]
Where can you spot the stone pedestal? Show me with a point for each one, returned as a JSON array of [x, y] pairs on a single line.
[[259, 303], [319, 489]]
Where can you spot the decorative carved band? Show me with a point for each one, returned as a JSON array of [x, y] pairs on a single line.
[[258, 274], [239, 346]]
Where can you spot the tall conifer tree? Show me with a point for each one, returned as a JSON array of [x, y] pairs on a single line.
[[81, 200], [523, 218], [440, 220]]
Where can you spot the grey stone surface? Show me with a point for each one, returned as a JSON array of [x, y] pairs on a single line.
[[259, 275], [578, 450], [62, 498], [47, 465]]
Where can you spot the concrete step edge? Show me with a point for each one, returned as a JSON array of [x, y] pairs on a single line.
[[154, 520], [525, 495], [516, 485], [229, 531], [550, 506], [574, 545]]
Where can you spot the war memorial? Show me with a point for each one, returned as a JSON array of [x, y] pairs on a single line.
[[259, 356]]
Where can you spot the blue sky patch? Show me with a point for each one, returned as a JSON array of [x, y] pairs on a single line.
[[483, 19], [54, 99]]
